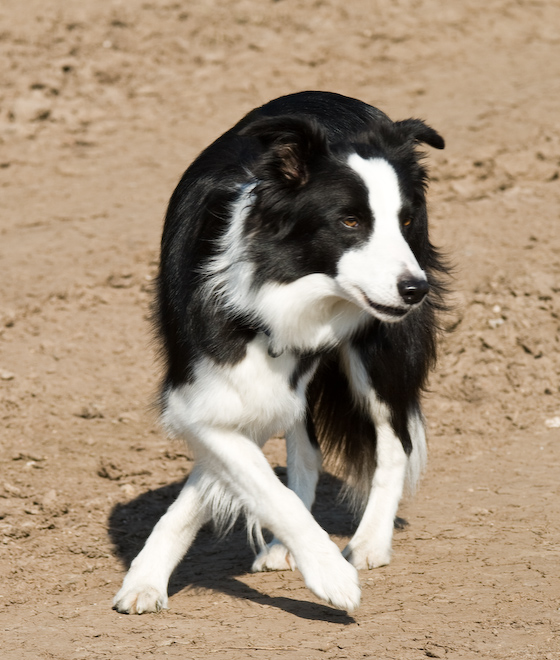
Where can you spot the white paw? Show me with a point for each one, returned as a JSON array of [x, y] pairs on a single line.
[[366, 555], [332, 578], [139, 598], [275, 557]]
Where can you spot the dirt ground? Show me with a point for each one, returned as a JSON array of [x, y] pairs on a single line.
[[102, 106]]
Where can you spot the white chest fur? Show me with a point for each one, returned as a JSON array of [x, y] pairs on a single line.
[[253, 396]]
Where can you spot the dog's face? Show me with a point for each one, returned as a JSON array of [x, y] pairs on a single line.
[[381, 272], [353, 213]]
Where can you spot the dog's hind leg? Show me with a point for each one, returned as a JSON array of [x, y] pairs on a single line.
[[304, 466], [145, 586]]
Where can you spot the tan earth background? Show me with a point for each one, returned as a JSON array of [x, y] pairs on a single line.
[[102, 106]]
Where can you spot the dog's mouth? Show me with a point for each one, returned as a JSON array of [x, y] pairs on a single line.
[[386, 310], [386, 313]]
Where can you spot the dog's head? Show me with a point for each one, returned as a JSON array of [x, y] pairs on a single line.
[[353, 211]]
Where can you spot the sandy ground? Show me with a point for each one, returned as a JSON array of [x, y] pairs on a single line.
[[102, 106]]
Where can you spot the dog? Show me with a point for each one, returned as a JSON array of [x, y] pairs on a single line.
[[298, 292]]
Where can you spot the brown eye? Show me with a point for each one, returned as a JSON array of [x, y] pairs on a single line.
[[407, 222], [351, 222]]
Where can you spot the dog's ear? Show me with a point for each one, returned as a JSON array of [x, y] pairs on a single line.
[[290, 144], [421, 132]]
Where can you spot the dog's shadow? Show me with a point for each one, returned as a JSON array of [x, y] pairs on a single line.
[[213, 562]]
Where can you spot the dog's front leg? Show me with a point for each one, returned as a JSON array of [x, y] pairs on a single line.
[[145, 586], [304, 466], [370, 546], [242, 468]]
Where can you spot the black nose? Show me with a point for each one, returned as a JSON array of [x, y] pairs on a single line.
[[413, 290]]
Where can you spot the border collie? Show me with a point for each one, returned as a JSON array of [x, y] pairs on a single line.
[[297, 293]]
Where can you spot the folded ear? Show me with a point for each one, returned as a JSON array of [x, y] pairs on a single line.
[[421, 132], [290, 143]]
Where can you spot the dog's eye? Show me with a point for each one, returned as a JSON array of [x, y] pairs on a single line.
[[351, 222], [407, 222]]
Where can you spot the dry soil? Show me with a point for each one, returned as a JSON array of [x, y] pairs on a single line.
[[102, 106]]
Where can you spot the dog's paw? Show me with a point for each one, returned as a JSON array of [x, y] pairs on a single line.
[[140, 598], [364, 555], [330, 577], [275, 557]]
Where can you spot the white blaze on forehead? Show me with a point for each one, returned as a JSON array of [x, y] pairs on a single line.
[[375, 268], [384, 191]]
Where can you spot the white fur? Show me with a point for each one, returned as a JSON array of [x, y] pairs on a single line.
[[253, 396], [230, 273], [310, 313], [418, 458]]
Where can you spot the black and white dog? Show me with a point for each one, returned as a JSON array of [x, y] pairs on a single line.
[[297, 292]]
